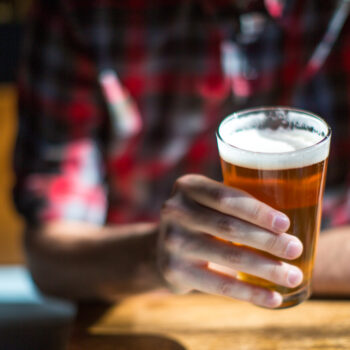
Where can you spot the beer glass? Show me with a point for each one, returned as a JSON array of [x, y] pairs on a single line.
[[279, 155]]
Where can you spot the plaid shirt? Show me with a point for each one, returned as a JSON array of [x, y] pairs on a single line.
[[119, 98]]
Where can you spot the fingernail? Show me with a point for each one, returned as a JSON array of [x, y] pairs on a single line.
[[280, 222], [293, 250], [295, 277]]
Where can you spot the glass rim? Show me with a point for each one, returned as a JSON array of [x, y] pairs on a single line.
[[274, 108]]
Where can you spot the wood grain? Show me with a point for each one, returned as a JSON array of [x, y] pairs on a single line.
[[198, 321]]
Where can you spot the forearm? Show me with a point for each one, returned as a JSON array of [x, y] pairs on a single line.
[[332, 266], [81, 261]]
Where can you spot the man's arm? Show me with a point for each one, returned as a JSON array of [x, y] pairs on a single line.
[[197, 223], [332, 266], [83, 261]]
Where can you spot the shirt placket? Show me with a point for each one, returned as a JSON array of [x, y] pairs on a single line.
[[236, 60]]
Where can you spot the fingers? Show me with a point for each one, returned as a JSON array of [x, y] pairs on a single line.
[[232, 202], [199, 247], [202, 210], [199, 277], [196, 218]]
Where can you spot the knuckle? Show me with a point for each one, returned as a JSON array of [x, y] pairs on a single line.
[[192, 182], [188, 245], [198, 247], [166, 270], [166, 213], [238, 230], [183, 181], [168, 206], [172, 207], [256, 295], [255, 210], [272, 244], [225, 288], [170, 269], [275, 272], [234, 203], [223, 223], [217, 194], [176, 277], [172, 276], [172, 240], [177, 185], [233, 256], [181, 242]]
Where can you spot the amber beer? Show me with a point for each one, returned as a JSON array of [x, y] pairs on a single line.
[[280, 157]]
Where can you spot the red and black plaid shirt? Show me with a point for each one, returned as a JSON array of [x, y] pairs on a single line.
[[119, 98]]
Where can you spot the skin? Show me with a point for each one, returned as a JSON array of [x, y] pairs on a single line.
[[197, 223], [331, 275]]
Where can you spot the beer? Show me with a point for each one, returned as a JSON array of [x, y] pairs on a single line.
[[281, 162]]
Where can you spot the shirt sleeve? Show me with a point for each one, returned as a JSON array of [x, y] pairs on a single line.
[[58, 157]]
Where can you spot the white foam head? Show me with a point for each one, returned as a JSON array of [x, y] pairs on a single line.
[[240, 142]]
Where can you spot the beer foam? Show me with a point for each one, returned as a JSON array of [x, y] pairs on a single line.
[[272, 149], [269, 141]]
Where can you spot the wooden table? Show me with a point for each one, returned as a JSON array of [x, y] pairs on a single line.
[[164, 322], [202, 322]]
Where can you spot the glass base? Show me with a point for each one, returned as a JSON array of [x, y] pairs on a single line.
[[295, 298]]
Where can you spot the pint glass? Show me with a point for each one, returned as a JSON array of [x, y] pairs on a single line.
[[279, 155]]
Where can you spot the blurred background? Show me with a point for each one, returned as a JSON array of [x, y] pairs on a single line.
[[13, 14]]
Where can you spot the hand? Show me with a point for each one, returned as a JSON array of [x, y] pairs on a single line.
[[198, 225]]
